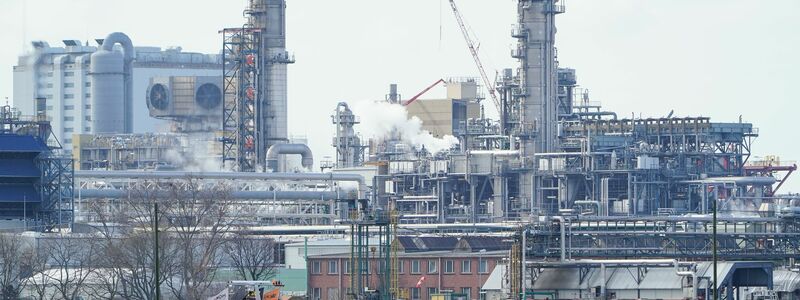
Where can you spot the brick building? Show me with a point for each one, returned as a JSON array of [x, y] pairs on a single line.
[[448, 265]]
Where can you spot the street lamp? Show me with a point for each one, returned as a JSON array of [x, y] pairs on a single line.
[[480, 263]]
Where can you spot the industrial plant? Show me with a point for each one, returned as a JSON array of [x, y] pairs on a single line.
[[556, 198]]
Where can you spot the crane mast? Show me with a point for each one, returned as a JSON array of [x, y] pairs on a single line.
[[474, 51]]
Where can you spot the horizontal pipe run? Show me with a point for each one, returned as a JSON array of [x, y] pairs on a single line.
[[227, 175], [257, 195]]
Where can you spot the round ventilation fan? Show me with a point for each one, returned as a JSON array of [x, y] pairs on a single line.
[[208, 96], [158, 97]]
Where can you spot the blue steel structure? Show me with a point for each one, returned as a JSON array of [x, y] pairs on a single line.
[[36, 183]]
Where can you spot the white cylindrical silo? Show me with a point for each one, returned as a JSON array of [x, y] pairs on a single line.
[[108, 92], [110, 72]]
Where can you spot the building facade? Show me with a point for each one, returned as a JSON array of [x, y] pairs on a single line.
[[448, 116], [61, 76], [425, 267]]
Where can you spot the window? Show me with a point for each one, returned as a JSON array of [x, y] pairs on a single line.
[[466, 266], [467, 291], [448, 266], [333, 293], [432, 266], [67, 119], [415, 267], [483, 266], [401, 266], [69, 74], [49, 85], [67, 141], [67, 130], [88, 95], [69, 107], [346, 266], [88, 84], [415, 294], [316, 293], [315, 267], [49, 96], [87, 118], [69, 84], [49, 74], [87, 129], [431, 292], [69, 96], [49, 107], [89, 106], [333, 267]]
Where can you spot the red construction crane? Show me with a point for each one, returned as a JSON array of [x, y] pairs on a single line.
[[474, 51], [409, 101]]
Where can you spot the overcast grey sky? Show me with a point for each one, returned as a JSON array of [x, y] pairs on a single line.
[[717, 58]]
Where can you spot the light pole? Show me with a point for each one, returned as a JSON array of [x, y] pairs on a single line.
[[480, 263]]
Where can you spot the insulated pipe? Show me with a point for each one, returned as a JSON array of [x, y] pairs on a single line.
[[362, 187], [592, 114], [265, 195], [278, 149], [494, 152]]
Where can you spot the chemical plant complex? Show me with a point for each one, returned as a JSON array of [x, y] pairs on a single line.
[[558, 198]]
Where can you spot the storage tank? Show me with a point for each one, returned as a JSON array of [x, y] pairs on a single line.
[[110, 72]]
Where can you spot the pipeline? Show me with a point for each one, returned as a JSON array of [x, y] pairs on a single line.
[[259, 195], [362, 187], [278, 149]]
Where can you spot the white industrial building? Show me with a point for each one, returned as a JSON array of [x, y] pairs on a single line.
[[62, 77]]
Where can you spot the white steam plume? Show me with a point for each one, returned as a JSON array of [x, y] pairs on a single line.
[[196, 154], [379, 119]]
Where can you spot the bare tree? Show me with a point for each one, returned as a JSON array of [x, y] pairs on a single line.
[[251, 257], [129, 247], [199, 221], [71, 264], [16, 265], [39, 282], [194, 221]]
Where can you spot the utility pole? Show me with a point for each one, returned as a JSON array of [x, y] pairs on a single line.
[[156, 276], [714, 247]]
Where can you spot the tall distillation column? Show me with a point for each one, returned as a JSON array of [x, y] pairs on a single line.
[[349, 151], [538, 84], [270, 17]]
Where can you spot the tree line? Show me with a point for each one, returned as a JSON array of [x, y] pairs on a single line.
[[189, 240]]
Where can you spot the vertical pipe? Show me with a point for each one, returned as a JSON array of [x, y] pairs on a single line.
[[715, 293], [524, 261], [602, 281]]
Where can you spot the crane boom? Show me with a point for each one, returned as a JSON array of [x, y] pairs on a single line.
[[409, 101], [474, 51]]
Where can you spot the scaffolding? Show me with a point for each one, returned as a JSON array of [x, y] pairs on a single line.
[[363, 255], [241, 56], [56, 187]]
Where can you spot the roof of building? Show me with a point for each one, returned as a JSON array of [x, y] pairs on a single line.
[[423, 254], [21, 143], [427, 243], [786, 280], [488, 243], [625, 278]]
